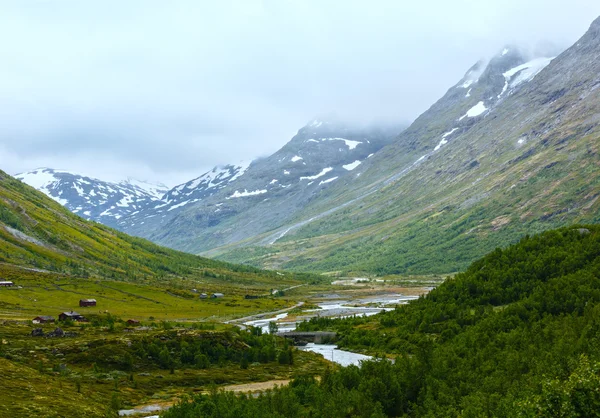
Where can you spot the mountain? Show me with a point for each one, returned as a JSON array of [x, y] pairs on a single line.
[[232, 203], [511, 149], [175, 199], [39, 235], [91, 198]]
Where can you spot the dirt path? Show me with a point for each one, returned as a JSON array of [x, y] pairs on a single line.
[[256, 387]]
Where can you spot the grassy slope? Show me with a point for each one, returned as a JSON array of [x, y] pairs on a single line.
[[60, 258]]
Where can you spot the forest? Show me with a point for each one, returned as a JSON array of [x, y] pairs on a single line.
[[515, 335]]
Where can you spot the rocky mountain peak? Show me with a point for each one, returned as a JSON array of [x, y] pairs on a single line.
[[91, 198], [595, 26], [591, 39]]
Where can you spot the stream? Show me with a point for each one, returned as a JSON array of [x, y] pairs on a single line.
[[335, 307], [332, 305]]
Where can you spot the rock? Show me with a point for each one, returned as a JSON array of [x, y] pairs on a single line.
[[583, 231], [37, 332], [58, 332]]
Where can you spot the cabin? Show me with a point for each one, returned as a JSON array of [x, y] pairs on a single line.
[[87, 302], [43, 319], [217, 295], [203, 296], [73, 316], [133, 322], [6, 283]]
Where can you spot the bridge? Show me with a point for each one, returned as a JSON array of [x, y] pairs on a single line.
[[317, 337]]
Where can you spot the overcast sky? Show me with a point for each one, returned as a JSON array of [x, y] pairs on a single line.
[[164, 90]]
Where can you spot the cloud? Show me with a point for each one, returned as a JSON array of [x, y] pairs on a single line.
[[169, 89]]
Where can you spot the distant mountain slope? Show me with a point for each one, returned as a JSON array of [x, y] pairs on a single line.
[[511, 149], [91, 198], [38, 233], [234, 203]]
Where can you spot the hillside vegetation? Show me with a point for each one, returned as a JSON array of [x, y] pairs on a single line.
[[515, 335]]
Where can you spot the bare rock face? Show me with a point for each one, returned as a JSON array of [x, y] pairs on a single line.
[[595, 28]]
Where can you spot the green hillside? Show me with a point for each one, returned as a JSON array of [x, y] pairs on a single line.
[[515, 335], [39, 233], [56, 258]]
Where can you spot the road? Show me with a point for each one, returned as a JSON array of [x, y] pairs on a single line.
[[240, 321]]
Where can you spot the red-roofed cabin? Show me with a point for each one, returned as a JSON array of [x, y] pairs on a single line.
[[43, 319], [133, 322]]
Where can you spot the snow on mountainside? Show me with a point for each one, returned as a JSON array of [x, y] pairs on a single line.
[[205, 185], [487, 85], [321, 154], [91, 198]]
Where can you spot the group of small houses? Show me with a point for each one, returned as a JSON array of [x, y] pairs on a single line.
[[84, 303], [64, 316], [74, 316]]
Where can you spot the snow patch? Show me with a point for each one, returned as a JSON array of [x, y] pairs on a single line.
[[328, 180], [476, 110], [246, 193], [178, 205], [296, 158], [443, 142], [524, 73], [352, 166], [316, 176]]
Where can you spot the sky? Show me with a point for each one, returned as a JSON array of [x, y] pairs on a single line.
[[164, 90]]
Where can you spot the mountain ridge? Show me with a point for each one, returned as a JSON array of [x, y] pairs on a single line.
[[442, 201]]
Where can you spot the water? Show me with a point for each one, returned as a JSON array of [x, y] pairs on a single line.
[[332, 353], [337, 309], [141, 410]]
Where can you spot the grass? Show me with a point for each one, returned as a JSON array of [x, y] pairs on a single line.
[[56, 377], [48, 294]]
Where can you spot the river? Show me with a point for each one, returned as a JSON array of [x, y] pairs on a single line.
[[334, 307]]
